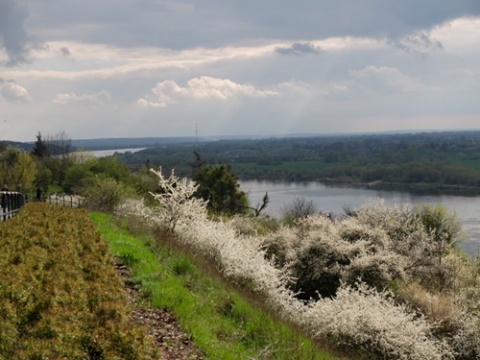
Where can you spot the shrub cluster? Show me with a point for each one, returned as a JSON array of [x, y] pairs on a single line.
[[60, 296], [350, 280]]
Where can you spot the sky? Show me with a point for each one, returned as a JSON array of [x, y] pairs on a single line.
[[143, 68]]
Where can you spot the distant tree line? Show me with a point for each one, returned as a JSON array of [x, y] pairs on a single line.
[[438, 159]]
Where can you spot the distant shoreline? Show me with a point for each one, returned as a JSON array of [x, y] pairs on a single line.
[[110, 152]]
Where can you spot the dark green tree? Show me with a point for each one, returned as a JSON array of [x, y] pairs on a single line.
[[220, 186], [40, 150]]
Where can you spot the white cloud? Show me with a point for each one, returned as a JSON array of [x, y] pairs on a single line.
[[461, 34], [300, 88], [390, 77], [169, 92], [13, 92], [99, 98]]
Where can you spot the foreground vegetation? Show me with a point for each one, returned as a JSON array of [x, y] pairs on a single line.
[[60, 296], [384, 282], [221, 322], [381, 282]]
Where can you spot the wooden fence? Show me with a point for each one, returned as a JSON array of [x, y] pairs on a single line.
[[71, 201], [12, 201]]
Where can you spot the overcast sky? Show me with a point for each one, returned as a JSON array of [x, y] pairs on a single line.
[[135, 68]]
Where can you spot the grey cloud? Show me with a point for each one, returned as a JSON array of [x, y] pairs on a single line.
[[420, 45], [152, 5], [13, 37], [298, 49], [181, 24], [65, 52]]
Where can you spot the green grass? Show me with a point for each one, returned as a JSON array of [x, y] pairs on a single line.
[[219, 319]]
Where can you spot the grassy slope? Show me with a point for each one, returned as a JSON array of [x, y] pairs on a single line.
[[220, 321]]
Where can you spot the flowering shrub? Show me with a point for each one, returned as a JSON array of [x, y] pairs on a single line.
[[322, 254], [332, 277], [176, 201], [363, 317]]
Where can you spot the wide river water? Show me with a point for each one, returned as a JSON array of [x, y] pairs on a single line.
[[333, 199]]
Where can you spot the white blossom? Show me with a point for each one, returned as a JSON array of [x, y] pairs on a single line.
[[378, 245]]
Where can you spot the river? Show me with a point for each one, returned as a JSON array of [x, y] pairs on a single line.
[[334, 199], [110, 152]]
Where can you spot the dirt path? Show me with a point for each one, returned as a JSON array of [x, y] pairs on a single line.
[[162, 325]]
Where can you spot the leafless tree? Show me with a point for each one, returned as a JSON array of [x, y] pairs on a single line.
[[59, 144]]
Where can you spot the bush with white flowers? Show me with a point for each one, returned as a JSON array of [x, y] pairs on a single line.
[[370, 281]]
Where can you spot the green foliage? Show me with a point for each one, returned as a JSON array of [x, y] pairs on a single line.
[[254, 226], [444, 224], [144, 182], [57, 167], [44, 178], [17, 169], [111, 167], [220, 186], [60, 296], [73, 172], [104, 194], [77, 177]]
